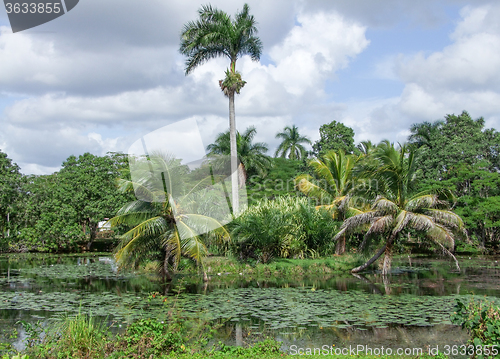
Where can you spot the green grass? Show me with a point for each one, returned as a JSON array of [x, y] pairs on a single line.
[[291, 267]]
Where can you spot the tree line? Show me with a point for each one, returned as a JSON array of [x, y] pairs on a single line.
[[60, 212]]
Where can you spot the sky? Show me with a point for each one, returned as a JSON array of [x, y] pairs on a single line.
[[109, 72]]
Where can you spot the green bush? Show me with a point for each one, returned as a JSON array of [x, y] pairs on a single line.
[[287, 227], [482, 322]]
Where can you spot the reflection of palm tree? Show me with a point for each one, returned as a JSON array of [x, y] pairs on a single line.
[[292, 143], [163, 227], [251, 155], [397, 210], [333, 186], [216, 34]]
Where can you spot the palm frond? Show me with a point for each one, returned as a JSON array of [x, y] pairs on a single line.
[[381, 224]]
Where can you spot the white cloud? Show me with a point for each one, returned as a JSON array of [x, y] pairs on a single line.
[[66, 108], [313, 51], [462, 76]]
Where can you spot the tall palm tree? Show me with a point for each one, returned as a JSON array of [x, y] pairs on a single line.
[[216, 34], [398, 208], [332, 187], [252, 156], [292, 143], [163, 227]]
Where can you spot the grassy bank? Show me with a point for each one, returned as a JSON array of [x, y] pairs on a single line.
[[223, 266]]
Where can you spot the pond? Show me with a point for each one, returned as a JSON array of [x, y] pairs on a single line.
[[409, 309]]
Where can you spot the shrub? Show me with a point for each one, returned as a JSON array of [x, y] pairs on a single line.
[[482, 322], [287, 227]]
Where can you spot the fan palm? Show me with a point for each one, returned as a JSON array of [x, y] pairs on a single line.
[[164, 227], [396, 209], [292, 143], [252, 156], [213, 35], [332, 187]]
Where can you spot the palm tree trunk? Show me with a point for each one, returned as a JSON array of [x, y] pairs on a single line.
[[386, 267], [340, 247], [375, 257], [234, 154], [372, 259], [242, 175], [165, 272]]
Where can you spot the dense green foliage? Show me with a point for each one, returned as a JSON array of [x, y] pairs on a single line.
[[163, 227], [482, 322], [460, 154], [10, 182], [61, 211], [398, 208], [278, 181]]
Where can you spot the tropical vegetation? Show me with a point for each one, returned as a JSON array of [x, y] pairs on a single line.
[[381, 199]]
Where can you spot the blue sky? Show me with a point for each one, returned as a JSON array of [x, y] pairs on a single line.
[[101, 76]]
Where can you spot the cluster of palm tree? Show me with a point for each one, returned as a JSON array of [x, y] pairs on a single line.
[[375, 193], [164, 226]]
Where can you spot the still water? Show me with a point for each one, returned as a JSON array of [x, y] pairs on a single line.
[[409, 309]]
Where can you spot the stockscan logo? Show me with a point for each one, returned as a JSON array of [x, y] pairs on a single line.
[[30, 13]]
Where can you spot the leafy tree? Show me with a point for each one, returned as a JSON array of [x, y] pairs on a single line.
[[332, 186], [48, 223], [445, 144], [60, 211], [10, 182], [398, 207], [88, 185], [478, 192], [251, 156], [216, 34], [163, 227], [292, 143], [334, 136]]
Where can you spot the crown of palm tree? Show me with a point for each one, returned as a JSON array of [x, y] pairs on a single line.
[[333, 183], [216, 34], [292, 143], [161, 225], [251, 155]]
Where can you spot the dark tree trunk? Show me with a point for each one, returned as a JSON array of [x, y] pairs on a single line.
[[375, 257], [93, 234]]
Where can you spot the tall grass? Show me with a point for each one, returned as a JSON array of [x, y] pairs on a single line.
[[287, 227], [79, 336]]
